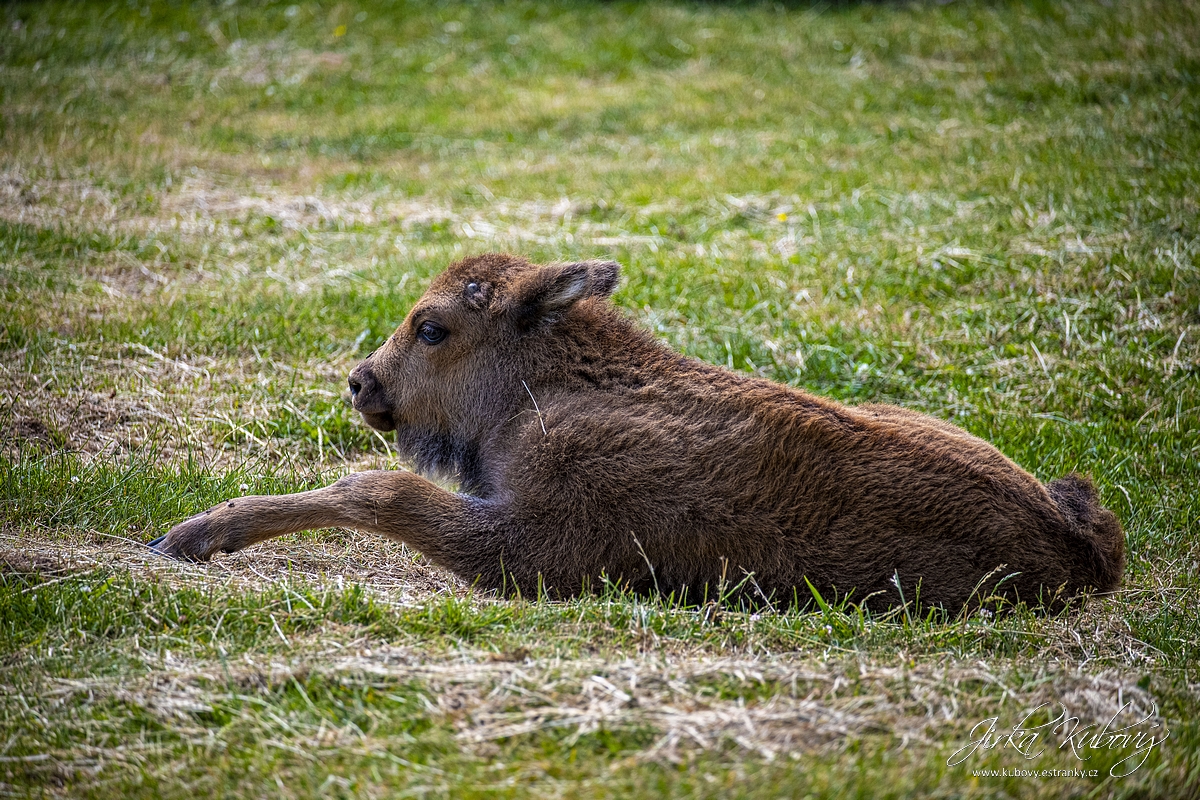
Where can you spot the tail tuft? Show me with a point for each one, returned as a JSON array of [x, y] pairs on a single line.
[[1096, 528]]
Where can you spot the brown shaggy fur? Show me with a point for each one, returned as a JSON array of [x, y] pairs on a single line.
[[588, 451]]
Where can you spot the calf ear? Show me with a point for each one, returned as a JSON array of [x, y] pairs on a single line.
[[546, 291], [605, 276]]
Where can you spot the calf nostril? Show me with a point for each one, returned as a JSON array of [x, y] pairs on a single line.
[[355, 387]]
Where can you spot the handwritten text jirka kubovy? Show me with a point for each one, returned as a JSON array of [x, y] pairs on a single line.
[[1135, 737]]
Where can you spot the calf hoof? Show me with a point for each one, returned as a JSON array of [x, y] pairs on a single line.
[[190, 540]]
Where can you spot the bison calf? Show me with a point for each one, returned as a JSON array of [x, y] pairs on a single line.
[[588, 451]]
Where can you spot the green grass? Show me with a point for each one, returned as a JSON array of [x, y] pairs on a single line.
[[210, 212]]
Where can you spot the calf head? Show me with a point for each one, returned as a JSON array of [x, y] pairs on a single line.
[[454, 370]]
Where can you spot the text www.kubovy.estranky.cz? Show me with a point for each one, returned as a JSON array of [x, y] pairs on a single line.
[[1035, 773]]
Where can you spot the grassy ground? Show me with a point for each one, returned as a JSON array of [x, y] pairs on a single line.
[[210, 212]]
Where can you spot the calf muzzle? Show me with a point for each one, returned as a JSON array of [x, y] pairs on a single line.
[[369, 399]]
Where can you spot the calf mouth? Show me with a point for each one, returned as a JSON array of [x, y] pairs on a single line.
[[382, 421]]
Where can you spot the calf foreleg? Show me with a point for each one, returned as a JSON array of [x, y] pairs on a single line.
[[398, 505]]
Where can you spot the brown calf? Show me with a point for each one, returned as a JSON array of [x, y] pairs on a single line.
[[588, 451]]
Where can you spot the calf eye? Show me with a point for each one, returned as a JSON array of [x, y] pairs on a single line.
[[430, 333]]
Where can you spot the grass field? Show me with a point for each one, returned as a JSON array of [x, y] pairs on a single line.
[[209, 212]]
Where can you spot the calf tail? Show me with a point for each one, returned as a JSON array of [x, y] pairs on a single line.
[[1100, 558]]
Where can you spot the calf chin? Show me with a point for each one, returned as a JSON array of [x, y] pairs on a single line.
[[380, 422]]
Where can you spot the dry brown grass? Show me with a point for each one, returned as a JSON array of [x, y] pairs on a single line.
[[806, 705]]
